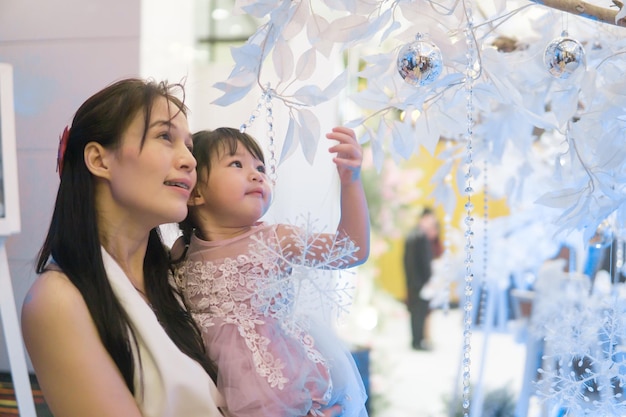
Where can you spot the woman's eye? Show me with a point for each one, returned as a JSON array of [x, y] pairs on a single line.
[[165, 135]]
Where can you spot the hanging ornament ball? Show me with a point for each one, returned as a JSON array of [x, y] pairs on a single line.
[[420, 62], [564, 56]]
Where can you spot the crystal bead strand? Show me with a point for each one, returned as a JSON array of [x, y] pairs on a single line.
[[469, 220], [619, 260], [447, 254], [484, 293], [254, 115], [265, 101], [270, 136], [447, 227]]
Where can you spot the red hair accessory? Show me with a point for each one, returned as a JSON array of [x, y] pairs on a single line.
[[62, 147]]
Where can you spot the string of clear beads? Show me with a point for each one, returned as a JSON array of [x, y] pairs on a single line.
[[469, 207], [265, 102], [484, 293]]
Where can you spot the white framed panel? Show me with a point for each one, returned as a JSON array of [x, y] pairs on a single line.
[[9, 196]]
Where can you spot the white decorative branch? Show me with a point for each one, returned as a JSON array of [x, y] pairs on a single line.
[[587, 10]]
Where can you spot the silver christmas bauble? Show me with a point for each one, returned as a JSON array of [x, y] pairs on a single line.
[[563, 57], [419, 62]]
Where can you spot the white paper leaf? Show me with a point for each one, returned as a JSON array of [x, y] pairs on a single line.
[[403, 137], [355, 122], [282, 57], [232, 94], [378, 152], [347, 5], [297, 22], [256, 8], [247, 58], [289, 143], [560, 198], [337, 85], [316, 28], [444, 195], [565, 103], [427, 132], [377, 65], [310, 95], [372, 98], [306, 64], [393, 27], [309, 132], [348, 28], [443, 171]]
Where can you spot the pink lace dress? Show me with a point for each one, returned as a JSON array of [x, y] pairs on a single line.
[[269, 364]]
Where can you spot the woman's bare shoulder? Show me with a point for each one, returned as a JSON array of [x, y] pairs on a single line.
[[60, 334], [52, 297]]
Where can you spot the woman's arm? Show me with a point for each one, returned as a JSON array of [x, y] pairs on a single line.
[[76, 374]]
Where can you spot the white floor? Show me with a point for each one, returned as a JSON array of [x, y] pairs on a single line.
[[408, 383]]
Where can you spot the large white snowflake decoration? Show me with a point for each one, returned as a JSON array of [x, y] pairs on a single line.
[[584, 361], [313, 289]]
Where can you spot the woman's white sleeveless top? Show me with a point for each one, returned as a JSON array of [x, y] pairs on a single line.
[[168, 383]]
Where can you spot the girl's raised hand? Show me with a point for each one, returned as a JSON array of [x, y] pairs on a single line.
[[349, 155]]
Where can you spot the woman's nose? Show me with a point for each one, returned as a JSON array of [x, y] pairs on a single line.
[[187, 160]]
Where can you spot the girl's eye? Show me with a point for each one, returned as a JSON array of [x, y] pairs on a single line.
[[261, 169], [236, 164]]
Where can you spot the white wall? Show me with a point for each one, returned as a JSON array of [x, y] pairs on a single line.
[[62, 51]]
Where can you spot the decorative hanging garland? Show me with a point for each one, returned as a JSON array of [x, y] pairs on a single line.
[[469, 206], [265, 101]]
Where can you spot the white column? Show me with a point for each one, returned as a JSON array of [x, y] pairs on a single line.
[[13, 337]]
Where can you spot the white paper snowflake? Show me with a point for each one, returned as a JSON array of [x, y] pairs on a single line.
[[316, 287], [584, 333]]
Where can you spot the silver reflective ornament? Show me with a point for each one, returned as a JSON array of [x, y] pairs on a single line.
[[564, 56], [419, 62]]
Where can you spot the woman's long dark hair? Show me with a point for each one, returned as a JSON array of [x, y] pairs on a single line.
[[73, 241], [207, 143]]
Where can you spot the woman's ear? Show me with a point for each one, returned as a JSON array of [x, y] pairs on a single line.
[[96, 159]]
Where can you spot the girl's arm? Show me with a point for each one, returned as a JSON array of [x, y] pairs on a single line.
[[354, 221], [76, 374]]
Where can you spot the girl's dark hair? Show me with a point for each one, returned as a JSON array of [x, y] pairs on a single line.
[[73, 240], [207, 144]]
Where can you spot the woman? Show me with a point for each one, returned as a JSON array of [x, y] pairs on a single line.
[[103, 328]]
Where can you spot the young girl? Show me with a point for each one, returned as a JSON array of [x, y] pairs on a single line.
[[235, 281]]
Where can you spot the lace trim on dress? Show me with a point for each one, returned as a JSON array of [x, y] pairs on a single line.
[[239, 294]]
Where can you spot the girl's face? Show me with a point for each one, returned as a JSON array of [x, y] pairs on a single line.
[[151, 184], [237, 192]]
